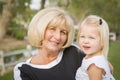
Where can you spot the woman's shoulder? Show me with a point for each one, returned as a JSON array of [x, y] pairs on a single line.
[[21, 64], [18, 65], [73, 47], [74, 54]]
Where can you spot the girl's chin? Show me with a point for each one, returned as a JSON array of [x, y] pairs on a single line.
[[87, 52]]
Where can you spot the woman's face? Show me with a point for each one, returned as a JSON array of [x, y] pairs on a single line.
[[55, 37]]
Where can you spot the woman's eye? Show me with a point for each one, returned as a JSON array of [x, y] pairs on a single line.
[[51, 28], [64, 32]]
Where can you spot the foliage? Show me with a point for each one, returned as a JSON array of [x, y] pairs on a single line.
[[78, 9], [1, 6], [7, 76], [114, 57], [22, 15], [76, 35], [22, 10], [109, 10], [17, 31]]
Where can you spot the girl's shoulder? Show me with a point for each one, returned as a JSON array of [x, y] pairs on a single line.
[[99, 61]]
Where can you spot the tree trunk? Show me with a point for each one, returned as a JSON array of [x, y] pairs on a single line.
[[5, 17], [42, 4]]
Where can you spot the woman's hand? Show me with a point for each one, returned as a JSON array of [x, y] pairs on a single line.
[[111, 67]]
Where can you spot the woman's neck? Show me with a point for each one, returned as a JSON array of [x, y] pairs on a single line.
[[44, 57]]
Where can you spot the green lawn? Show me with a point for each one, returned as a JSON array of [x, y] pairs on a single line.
[[7, 76], [113, 56]]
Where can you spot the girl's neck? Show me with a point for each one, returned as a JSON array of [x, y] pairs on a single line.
[[92, 55]]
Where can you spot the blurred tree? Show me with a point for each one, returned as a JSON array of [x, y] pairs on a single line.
[[42, 4], [22, 16], [5, 17], [12, 12], [109, 10], [63, 3], [21, 10], [17, 12]]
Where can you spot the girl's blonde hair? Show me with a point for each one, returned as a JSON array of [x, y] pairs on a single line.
[[43, 19], [103, 29]]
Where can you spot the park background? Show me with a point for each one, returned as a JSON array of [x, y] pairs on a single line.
[[15, 16]]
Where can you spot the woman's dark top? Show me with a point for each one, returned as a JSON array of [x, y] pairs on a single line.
[[64, 70]]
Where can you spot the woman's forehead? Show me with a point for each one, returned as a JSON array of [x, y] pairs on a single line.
[[61, 26], [59, 23]]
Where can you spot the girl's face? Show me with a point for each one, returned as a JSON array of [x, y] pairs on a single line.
[[55, 37], [89, 40]]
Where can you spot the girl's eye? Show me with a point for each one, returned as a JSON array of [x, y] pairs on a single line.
[[91, 37], [82, 36]]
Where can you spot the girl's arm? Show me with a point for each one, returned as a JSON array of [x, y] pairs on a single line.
[[111, 67], [95, 73]]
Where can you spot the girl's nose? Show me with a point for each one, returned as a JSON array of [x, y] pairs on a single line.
[[86, 40]]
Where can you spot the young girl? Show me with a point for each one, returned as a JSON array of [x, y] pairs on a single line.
[[94, 42]]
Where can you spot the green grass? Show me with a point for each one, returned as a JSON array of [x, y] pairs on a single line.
[[7, 76], [113, 57]]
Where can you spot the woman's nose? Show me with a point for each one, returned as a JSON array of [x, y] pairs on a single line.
[[57, 35]]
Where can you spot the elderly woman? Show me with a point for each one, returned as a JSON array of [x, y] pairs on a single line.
[[51, 31]]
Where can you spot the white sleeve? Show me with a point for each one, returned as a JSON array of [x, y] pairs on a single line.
[[17, 72], [100, 62]]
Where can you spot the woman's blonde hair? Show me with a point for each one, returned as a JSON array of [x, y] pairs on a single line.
[[103, 28], [43, 19]]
